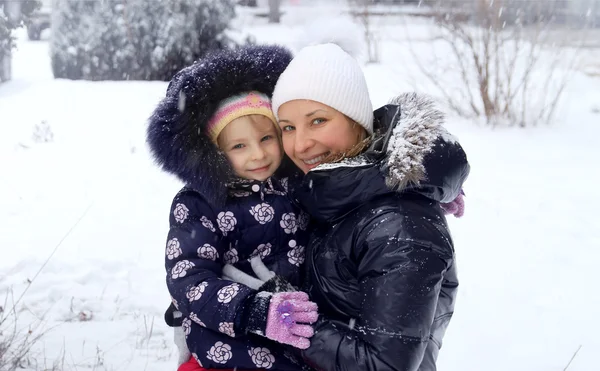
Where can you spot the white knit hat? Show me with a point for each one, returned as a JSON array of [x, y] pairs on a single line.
[[326, 74]]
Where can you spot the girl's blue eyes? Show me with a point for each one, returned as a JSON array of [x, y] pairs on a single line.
[[318, 121], [263, 139], [287, 128]]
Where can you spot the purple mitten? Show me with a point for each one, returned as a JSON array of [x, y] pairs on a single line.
[[288, 318], [456, 207]]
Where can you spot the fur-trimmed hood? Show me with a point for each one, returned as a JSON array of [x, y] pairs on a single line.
[[411, 152], [176, 131]]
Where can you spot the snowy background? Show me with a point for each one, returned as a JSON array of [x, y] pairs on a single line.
[[527, 248]]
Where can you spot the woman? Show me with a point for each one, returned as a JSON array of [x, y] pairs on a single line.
[[380, 261]]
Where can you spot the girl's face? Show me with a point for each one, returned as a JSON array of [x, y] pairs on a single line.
[[311, 131], [251, 143]]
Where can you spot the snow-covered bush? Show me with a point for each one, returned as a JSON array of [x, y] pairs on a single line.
[[134, 39], [6, 25], [42, 133]]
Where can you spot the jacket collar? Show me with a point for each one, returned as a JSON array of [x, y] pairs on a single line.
[[411, 151], [240, 187]]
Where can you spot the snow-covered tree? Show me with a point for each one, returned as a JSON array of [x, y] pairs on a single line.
[[27, 7], [134, 39]]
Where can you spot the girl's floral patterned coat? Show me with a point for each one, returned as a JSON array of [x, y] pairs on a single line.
[[257, 220], [253, 218]]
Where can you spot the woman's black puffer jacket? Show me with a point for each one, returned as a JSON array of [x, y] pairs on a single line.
[[380, 262]]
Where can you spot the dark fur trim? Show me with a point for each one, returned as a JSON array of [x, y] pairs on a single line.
[[176, 132]]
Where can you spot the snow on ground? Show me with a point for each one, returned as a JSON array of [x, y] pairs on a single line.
[[526, 248]]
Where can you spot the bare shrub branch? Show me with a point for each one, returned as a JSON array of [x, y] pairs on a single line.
[[15, 342], [572, 358], [510, 68], [361, 11]]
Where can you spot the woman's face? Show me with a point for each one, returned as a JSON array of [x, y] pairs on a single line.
[[311, 131]]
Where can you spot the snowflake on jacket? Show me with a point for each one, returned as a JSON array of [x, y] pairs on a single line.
[[257, 220]]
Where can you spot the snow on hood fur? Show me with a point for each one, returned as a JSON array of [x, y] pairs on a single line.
[[176, 132], [413, 149], [419, 128]]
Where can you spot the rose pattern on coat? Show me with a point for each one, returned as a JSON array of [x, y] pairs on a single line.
[[303, 220], [187, 326], [226, 221], [288, 223], [273, 191], [240, 193], [284, 183], [195, 292], [173, 249], [219, 353], [174, 303], [296, 254], [194, 317], [262, 357], [227, 328], [180, 269], [227, 293], [256, 225], [263, 213], [180, 213], [231, 256], [207, 223], [263, 250], [208, 252]]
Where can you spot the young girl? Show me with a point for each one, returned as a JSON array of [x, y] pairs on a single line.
[[215, 130]]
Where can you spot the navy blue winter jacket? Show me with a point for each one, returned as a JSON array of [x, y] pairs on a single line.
[[258, 219], [218, 219]]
